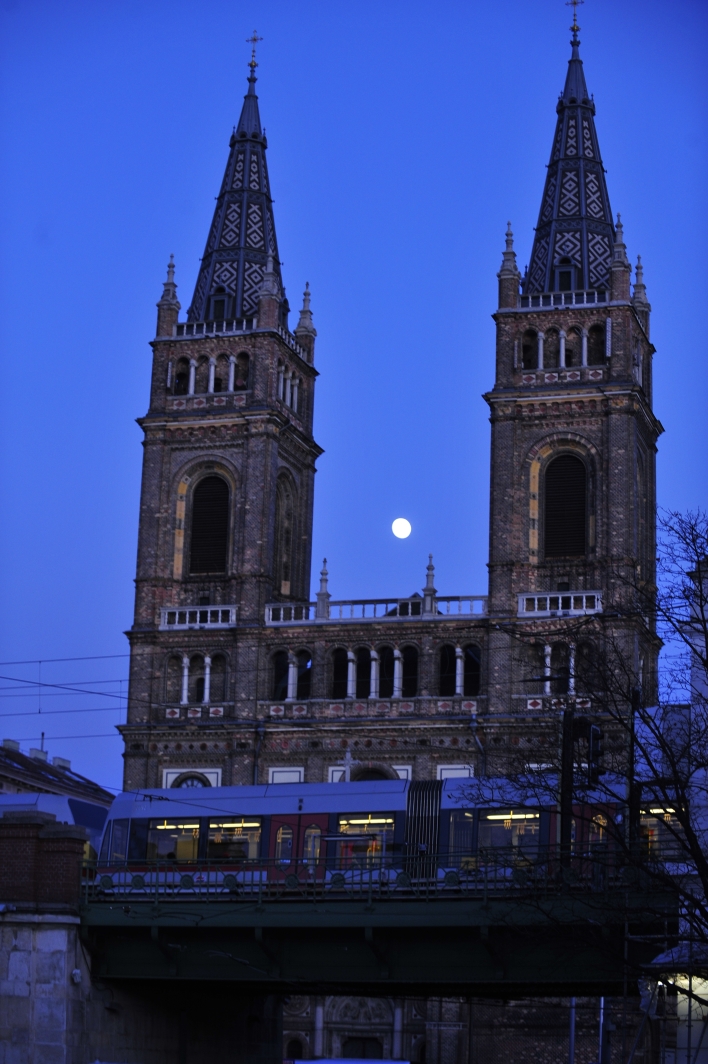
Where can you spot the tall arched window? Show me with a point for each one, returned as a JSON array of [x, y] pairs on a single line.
[[596, 345], [551, 349], [565, 507], [363, 672], [284, 536], [560, 668], [182, 377], [339, 673], [304, 674], [472, 670], [529, 349], [280, 675], [241, 372], [573, 347], [196, 679], [386, 667], [409, 685], [201, 376], [217, 686], [447, 664], [210, 526], [173, 686]]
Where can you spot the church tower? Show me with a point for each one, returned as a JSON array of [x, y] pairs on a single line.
[[229, 461], [574, 436]]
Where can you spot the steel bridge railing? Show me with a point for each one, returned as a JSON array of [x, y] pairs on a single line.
[[424, 877]]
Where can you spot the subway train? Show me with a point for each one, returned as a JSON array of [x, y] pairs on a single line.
[[387, 833]]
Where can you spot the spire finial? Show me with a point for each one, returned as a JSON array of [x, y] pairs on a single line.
[[323, 595], [253, 40], [575, 4], [171, 270]]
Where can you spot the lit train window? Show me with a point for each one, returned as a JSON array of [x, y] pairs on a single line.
[[660, 833], [367, 838], [311, 848], [235, 839], [172, 840], [517, 828]]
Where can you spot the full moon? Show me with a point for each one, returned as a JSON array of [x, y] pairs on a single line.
[[401, 528]]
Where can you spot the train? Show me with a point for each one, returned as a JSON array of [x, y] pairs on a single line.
[[343, 835], [65, 809]]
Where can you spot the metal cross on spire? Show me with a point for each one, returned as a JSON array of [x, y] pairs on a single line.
[[254, 40], [575, 4]]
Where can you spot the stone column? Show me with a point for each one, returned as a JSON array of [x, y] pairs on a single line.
[[374, 675], [207, 678], [351, 674], [459, 671], [185, 680], [397, 673]]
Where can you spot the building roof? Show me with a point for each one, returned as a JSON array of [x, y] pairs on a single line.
[[575, 220], [20, 772], [242, 235]]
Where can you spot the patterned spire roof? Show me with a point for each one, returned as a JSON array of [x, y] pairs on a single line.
[[242, 233], [575, 221]]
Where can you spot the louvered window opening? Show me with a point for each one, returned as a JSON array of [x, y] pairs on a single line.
[[210, 526], [565, 507]]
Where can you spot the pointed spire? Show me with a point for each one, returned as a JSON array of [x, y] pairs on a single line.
[[305, 330], [640, 289], [620, 269], [242, 234], [509, 273], [574, 239], [429, 591], [323, 595], [620, 250], [168, 307]]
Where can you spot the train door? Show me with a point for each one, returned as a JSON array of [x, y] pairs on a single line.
[[296, 844]]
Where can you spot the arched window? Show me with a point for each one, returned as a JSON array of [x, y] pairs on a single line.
[[210, 526], [182, 377], [565, 507], [596, 345], [409, 686], [560, 668], [217, 687], [191, 779], [294, 1050], [221, 373], [284, 845], [173, 684], [241, 372], [551, 349], [284, 536], [447, 664], [196, 679], [573, 347], [529, 349], [304, 674], [339, 673], [201, 377], [363, 672], [472, 670], [565, 275], [280, 675], [586, 670], [311, 845], [386, 672]]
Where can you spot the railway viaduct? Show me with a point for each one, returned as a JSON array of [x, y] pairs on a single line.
[[199, 973]]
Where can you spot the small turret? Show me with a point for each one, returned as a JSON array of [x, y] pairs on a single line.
[[620, 270], [639, 296], [323, 595], [429, 591], [306, 331], [509, 275], [269, 298], [169, 306]]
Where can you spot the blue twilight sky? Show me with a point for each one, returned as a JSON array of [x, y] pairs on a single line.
[[402, 136]]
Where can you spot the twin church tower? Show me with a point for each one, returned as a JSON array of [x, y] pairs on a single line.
[[236, 676]]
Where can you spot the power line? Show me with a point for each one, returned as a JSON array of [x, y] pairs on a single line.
[[52, 738], [55, 712], [51, 661]]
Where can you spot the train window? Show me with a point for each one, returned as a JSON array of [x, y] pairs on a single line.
[[516, 828], [137, 840], [106, 844], [284, 845], [367, 838], [311, 848], [597, 834], [234, 839], [168, 840], [660, 832], [119, 841], [461, 836]]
